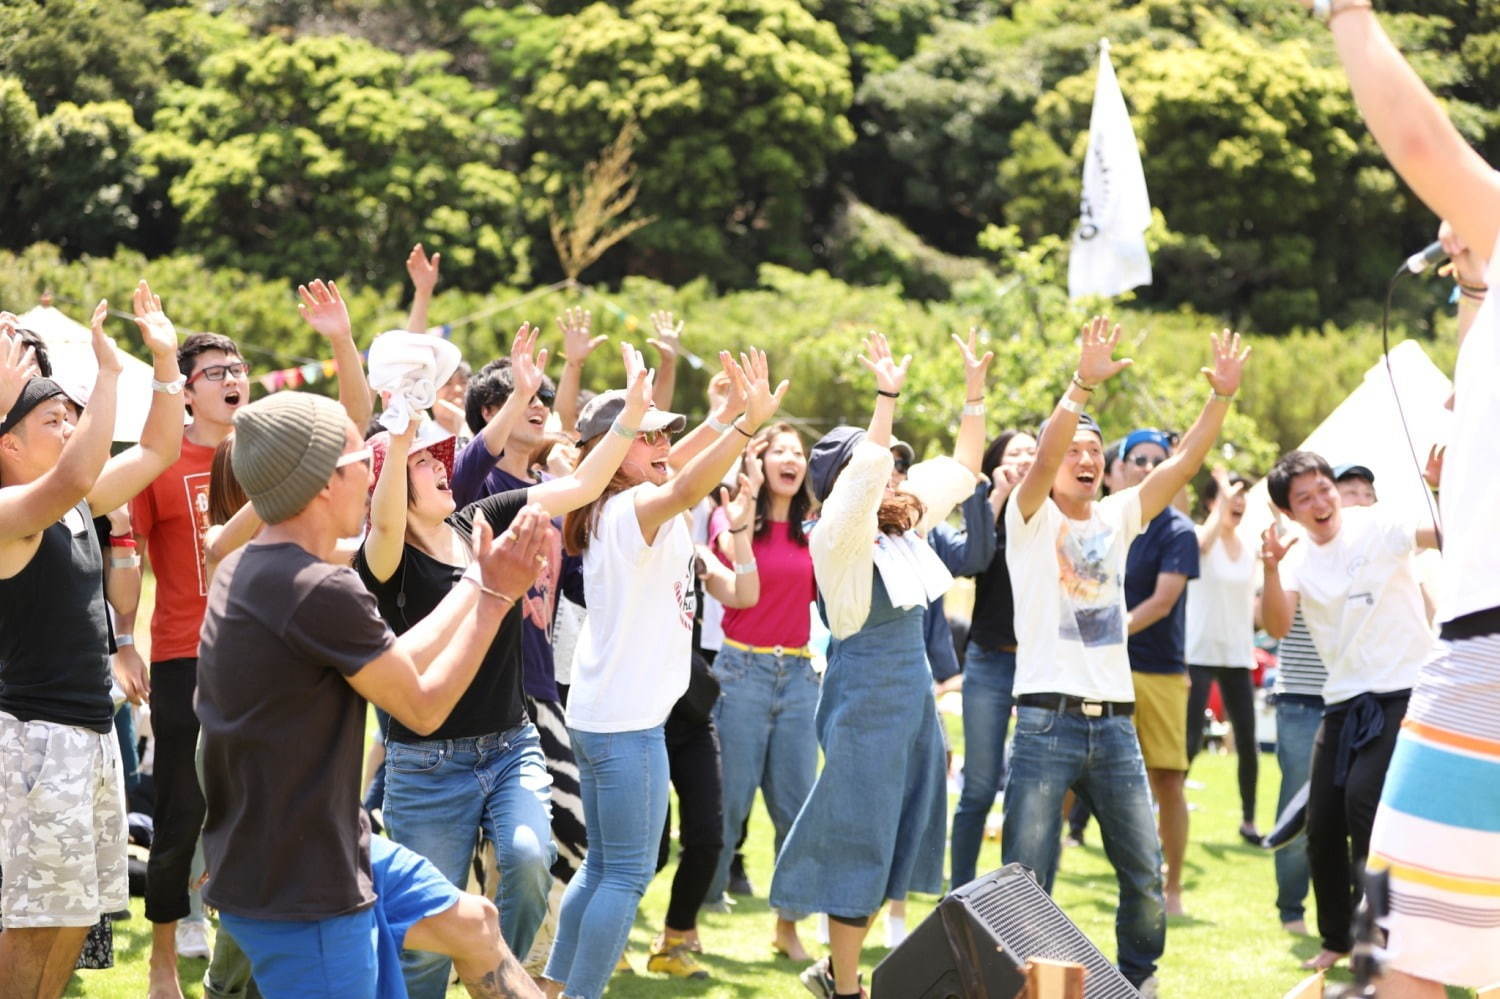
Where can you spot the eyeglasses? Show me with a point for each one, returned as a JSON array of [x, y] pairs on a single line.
[[218, 372], [355, 457], [1145, 461], [654, 437]]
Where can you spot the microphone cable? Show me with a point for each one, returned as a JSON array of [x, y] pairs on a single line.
[[1390, 370]]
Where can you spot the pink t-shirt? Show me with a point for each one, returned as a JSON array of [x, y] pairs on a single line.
[[782, 616]]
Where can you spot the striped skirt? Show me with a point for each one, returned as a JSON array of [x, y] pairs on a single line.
[[1437, 831]]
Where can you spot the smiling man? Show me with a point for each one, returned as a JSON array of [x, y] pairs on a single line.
[[1356, 585]]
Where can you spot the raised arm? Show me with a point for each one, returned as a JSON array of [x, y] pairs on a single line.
[[588, 480], [668, 344], [576, 325], [17, 363], [161, 439], [968, 449], [386, 539], [423, 271], [656, 505], [1469, 271], [1208, 531], [526, 368], [1166, 479], [1096, 364], [323, 308], [1412, 129], [720, 417], [738, 587], [1277, 604]]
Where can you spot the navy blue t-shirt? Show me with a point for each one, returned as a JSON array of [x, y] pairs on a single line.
[[1168, 544]]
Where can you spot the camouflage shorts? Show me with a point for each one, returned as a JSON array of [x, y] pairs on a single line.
[[62, 825]]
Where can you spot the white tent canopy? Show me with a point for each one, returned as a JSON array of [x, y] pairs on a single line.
[[1366, 430], [70, 348]]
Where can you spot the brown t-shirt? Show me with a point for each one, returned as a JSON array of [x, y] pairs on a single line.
[[283, 734]]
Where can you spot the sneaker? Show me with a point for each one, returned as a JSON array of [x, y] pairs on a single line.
[[818, 980], [722, 905], [1149, 988], [676, 960], [192, 939]]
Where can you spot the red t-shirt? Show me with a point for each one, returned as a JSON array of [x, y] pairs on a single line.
[[171, 515], [783, 615]]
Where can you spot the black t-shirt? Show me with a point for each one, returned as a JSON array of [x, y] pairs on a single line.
[[994, 622], [494, 700], [54, 635], [284, 734]]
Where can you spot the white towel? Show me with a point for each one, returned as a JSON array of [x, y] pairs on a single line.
[[913, 574], [410, 367]]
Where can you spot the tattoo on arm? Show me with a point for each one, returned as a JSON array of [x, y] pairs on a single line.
[[507, 981]]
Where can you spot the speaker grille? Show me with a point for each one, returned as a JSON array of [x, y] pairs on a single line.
[[1029, 924]]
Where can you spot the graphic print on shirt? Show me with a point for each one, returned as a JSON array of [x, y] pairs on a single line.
[[196, 488], [1090, 593], [683, 592], [541, 600]]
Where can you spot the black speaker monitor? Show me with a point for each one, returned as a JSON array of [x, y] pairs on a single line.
[[976, 942]]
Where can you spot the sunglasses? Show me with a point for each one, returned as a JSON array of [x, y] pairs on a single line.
[[355, 457], [1145, 461], [545, 397], [218, 372], [902, 465], [654, 437]]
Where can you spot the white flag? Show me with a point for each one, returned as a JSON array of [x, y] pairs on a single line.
[[1109, 249]]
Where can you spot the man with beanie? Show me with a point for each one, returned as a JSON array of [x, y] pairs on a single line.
[[62, 807], [292, 648], [1073, 693], [1160, 563]]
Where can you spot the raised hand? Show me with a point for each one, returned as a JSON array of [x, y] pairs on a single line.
[[975, 366], [422, 269], [736, 391], [639, 383], [1002, 480], [668, 339], [1467, 265], [1433, 472], [576, 324], [1096, 357], [1229, 363], [761, 403], [527, 365], [1227, 491], [1274, 546], [741, 509], [104, 347], [889, 376], [755, 469], [157, 331], [17, 366], [323, 308], [509, 564]]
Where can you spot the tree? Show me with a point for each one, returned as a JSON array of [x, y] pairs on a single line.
[[593, 221], [740, 104], [328, 155]]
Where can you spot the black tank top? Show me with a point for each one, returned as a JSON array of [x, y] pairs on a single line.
[[54, 652]]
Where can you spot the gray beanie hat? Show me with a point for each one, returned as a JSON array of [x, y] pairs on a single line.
[[286, 447]]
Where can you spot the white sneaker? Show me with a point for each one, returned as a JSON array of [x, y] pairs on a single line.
[[895, 930], [1148, 988], [192, 939]]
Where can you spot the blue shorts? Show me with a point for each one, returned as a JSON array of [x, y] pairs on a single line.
[[355, 956]]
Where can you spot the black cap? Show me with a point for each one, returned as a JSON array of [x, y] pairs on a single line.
[[33, 394], [1085, 422]]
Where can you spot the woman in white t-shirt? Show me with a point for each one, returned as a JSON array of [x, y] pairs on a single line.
[[1221, 632], [631, 663]]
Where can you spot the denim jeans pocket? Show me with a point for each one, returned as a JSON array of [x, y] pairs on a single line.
[[1035, 721], [405, 759]]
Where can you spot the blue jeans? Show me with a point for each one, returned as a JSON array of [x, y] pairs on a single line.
[[1296, 724], [439, 795], [1100, 759], [768, 739], [988, 676], [622, 778]]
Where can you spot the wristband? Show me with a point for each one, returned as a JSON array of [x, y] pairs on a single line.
[[1081, 386], [1075, 408], [121, 541], [716, 426], [748, 435], [173, 387], [122, 641], [888, 395], [973, 409], [1217, 397], [744, 568], [624, 431], [125, 562]]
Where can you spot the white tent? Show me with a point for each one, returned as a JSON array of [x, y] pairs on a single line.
[[1366, 430], [71, 350]]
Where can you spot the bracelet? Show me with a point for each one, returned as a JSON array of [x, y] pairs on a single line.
[[1217, 397], [736, 530], [121, 541], [1465, 286], [974, 408], [173, 387], [888, 395], [1082, 386], [123, 641], [487, 591], [623, 430], [1073, 407], [715, 425], [748, 435], [744, 568], [1473, 296], [125, 562]]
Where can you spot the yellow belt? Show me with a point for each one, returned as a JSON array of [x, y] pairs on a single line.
[[802, 651]]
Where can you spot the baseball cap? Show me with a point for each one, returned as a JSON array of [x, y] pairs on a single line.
[[1146, 435], [603, 408], [1343, 472]]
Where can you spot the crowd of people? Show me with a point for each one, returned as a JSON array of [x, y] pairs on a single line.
[[561, 603]]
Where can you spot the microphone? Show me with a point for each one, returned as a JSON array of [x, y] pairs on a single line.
[[1425, 258]]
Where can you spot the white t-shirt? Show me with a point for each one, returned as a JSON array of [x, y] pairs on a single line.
[[711, 633], [1360, 599], [1221, 609], [631, 662], [1471, 539], [1068, 577]]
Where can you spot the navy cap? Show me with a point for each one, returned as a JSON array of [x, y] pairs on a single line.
[[1146, 435], [1343, 472], [829, 456]]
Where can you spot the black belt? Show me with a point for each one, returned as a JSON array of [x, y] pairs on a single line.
[[1077, 705]]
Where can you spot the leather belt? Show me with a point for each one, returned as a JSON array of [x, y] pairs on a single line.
[[1077, 705]]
